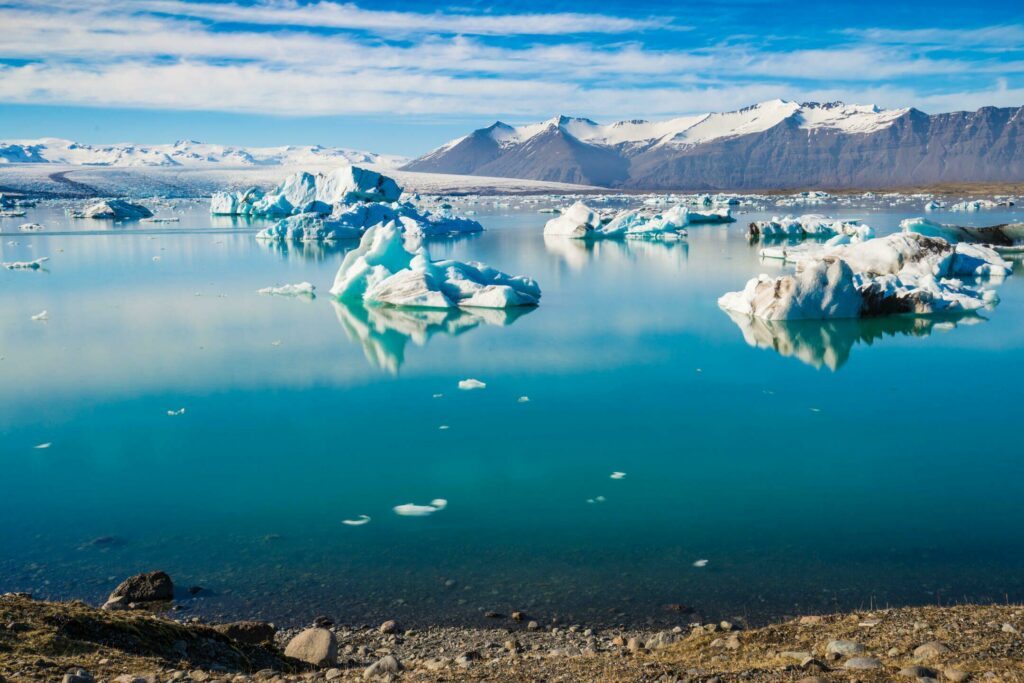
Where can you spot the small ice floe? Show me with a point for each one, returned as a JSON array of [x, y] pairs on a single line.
[[358, 521], [437, 395], [276, 343], [300, 289], [471, 384], [156, 258], [700, 563], [444, 427], [618, 475], [523, 399], [42, 316], [42, 446], [596, 499], [25, 265], [175, 413], [414, 510], [30, 227], [116, 209]]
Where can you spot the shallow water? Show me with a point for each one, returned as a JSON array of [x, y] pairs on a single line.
[[833, 466]]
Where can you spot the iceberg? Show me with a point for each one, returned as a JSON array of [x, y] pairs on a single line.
[[116, 209], [809, 225], [901, 273], [25, 265], [414, 510], [234, 203], [723, 215], [382, 271], [30, 227], [975, 205], [300, 289], [578, 221], [1006, 236]]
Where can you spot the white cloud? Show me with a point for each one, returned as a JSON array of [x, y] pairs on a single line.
[[107, 53]]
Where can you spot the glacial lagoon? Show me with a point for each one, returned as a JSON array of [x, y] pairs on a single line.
[[814, 466]]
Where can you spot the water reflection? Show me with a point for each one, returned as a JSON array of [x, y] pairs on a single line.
[[578, 253], [307, 251], [384, 331], [828, 343]]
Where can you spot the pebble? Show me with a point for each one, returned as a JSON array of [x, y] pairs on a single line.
[[389, 626], [861, 663], [844, 647], [930, 650]]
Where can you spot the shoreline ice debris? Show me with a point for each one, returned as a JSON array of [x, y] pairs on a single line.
[[359, 521], [414, 510], [300, 289], [900, 273], [115, 209], [579, 221], [1004, 237], [471, 384], [381, 270], [808, 225], [341, 204], [25, 265]]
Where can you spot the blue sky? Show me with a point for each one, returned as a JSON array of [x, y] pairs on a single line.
[[403, 77]]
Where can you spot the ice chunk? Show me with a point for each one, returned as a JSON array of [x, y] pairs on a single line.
[[723, 215], [359, 521], [414, 510], [25, 265], [642, 224], [381, 270], [30, 227], [700, 563], [43, 446], [1006, 235], [808, 225], [176, 413], [824, 290], [470, 384], [234, 203], [41, 316], [577, 222], [115, 209], [618, 475], [300, 289]]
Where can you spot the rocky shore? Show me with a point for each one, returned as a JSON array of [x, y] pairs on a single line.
[[131, 640]]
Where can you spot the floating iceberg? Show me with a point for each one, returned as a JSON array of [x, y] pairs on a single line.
[[115, 209], [414, 510], [30, 227], [300, 289], [975, 205], [25, 265], [809, 225], [579, 221], [723, 215], [307, 193], [1008, 235], [381, 270], [471, 384], [901, 273]]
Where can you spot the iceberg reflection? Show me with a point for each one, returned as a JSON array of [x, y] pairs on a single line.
[[828, 343], [309, 251], [577, 253], [384, 331]]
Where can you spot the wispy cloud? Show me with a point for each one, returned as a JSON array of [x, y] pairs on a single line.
[[268, 58]]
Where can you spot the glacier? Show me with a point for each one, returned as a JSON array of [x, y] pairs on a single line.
[[381, 270], [901, 273]]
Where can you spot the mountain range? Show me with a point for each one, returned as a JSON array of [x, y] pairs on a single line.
[[186, 154], [771, 145]]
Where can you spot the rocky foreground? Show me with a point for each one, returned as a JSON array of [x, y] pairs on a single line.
[[76, 643]]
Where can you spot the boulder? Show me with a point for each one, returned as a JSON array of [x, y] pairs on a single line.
[[316, 646], [150, 587], [385, 667], [249, 632]]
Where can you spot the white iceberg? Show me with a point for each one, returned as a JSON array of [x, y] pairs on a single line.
[[300, 289], [808, 225], [234, 203], [1000, 237], [471, 384], [579, 221], [115, 209], [414, 510], [381, 270], [641, 224], [901, 273], [25, 265], [974, 205]]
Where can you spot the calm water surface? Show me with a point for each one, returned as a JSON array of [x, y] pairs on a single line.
[[815, 466]]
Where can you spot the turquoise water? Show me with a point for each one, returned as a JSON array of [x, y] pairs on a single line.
[[835, 465]]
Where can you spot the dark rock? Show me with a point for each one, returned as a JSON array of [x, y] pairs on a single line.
[[323, 622], [150, 587], [250, 632]]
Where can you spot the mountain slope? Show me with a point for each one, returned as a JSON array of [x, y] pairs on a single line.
[[184, 153], [772, 145]]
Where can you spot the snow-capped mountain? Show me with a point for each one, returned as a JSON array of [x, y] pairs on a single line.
[[775, 144], [185, 153]]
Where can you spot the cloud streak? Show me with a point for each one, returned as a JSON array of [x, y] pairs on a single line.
[[171, 54]]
